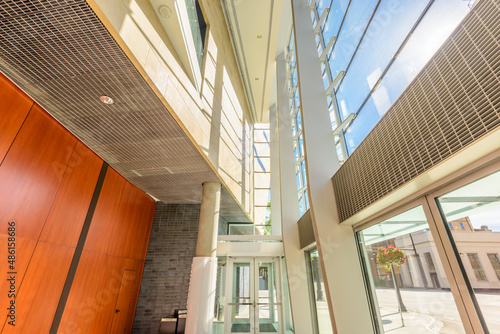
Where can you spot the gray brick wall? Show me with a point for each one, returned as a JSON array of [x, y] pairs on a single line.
[[165, 281]]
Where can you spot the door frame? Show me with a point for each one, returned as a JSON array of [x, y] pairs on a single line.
[[253, 285]]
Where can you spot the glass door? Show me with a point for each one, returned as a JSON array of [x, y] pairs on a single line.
[[240, 308], [267, 296], [254, 303]]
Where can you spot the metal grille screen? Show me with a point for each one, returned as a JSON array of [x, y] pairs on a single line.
[[60, 53], [454, 101]]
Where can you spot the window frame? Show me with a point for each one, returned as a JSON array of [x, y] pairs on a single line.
[[441, 249], [475, 171], [460, 287], [479, 268], [497, 258], [465, 300]]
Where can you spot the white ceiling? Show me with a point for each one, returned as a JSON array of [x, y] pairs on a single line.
[[246, 20]]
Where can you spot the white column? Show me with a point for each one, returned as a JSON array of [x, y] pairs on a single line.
[[294, 257], [275, 173], [340, 263], [201, 296]]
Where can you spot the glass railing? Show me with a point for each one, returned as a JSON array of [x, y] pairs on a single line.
[[249, 229]]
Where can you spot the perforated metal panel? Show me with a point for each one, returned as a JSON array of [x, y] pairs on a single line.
[[60, 53], [454, 101]]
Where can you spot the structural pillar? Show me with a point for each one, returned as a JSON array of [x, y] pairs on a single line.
[[201, 296], [290, 214], [340, 264]]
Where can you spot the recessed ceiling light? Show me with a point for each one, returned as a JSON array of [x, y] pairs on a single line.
[[259, 36], [165, 11], [106, 99]]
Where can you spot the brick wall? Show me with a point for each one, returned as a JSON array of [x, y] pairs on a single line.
[[165, 281]]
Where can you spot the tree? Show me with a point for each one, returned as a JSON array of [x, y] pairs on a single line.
[[268, 219], [390, 257]]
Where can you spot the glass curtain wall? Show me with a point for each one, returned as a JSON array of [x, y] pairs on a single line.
[[472, 216], [318, 293], [220, 288], [295, 113], [409, 290], [374, 50], [261, 182], [426, 265]]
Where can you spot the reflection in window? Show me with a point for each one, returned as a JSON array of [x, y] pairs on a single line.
[[382, 47], [198, 27], [218, 322], [406, 278], [323, 315], [477, 206], [495, 263], [430, 263], [476, 266]]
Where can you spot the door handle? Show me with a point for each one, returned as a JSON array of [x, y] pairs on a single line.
[[240, 303], [116, 311], [268, 303]]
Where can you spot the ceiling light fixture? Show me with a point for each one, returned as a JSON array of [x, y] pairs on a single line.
[[259, 36], [256, 78], [106, 99]]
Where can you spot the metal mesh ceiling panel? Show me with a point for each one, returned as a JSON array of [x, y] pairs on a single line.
[[60, 54], [454, 101]]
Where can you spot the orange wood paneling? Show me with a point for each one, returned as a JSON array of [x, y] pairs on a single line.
[[41, 289], [132, 226], [47, 179], [14, 107], [32, 171], [81, 306], [24, 250], [107, 293], [125, 303], [105, 213], [67, 215]]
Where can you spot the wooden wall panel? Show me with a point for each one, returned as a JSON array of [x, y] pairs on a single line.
[[14, 107], [109, 288], [24, 250], [133, 223], [47, 180], [81, 306], [125, 303], [41, 289], [105, 213], [70, 207], [32, 171]]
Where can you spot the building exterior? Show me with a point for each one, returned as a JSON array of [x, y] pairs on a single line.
[[232, 166]]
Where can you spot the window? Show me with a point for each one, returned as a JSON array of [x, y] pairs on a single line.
[[396, 284], [295, 114], [198, 27], [495, 263], [476, 266], [262, 180], [318, 292], [478, 203], [430, 263], [376, 51]]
